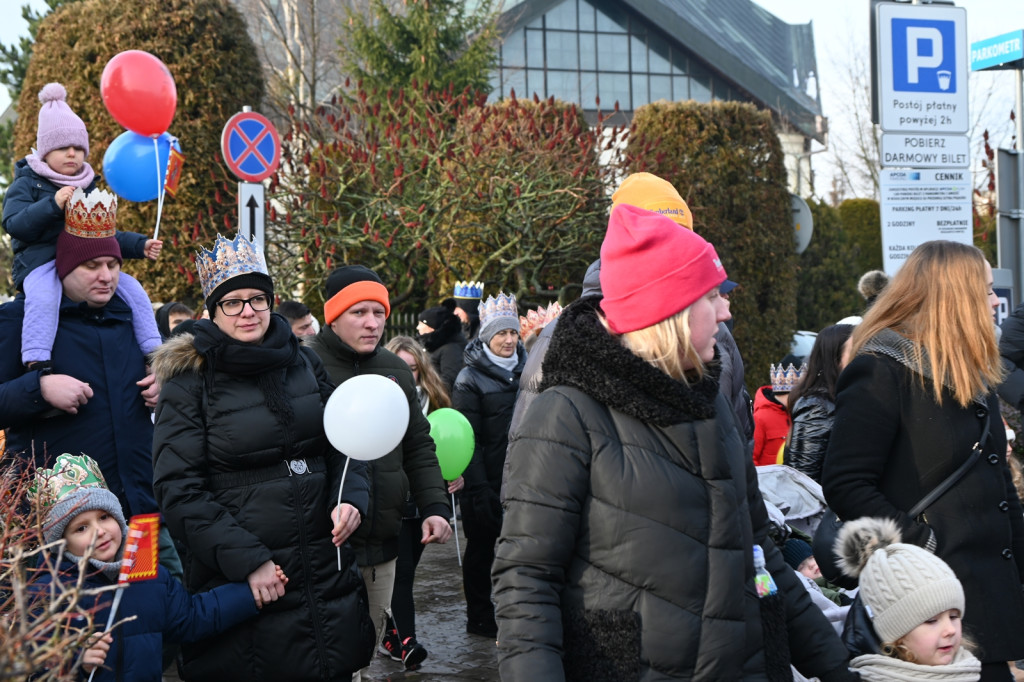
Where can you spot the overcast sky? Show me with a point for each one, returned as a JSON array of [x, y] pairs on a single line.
[[840, 33]]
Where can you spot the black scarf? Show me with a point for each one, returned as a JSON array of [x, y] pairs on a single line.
[[585, 356], [265, 360], [450, 330]]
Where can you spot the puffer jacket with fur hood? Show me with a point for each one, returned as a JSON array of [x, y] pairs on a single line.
[[232, 491], [631, 516]]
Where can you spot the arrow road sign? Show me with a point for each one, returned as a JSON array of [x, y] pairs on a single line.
[[251, 211]]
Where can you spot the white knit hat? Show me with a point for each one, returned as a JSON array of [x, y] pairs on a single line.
[[902, 585]]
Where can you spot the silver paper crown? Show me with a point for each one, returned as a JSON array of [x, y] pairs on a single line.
[[785, 379], [502, 305], [469, 290], [229, 258]]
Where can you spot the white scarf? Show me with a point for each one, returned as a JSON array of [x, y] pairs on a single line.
[[879, 668], [508, 364]]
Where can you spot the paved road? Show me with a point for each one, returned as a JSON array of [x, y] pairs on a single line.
[[441, 626]]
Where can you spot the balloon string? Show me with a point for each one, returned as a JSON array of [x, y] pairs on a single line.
[[455, 523], [159, 189], [340, 488], [110, 619]]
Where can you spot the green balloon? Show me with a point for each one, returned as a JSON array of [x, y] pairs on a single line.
[[453, 440]]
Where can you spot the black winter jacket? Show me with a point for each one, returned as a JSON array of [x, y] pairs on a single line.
[[808, 437], [34, 220], [97, 346], [445, 346], [631, 516], [410, 467], [1011, 348], [233, 493], [486, 395], [892, 444]]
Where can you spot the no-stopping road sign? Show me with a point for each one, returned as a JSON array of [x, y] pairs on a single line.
[[251, 146]]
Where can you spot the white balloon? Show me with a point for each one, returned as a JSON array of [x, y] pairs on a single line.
[[366, 417]]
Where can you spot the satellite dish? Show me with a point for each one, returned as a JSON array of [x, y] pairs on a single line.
[[803, 222]]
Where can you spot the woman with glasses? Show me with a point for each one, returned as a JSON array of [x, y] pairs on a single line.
[[246, 480]]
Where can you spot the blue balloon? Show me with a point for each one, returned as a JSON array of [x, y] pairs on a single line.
[[130, 167]]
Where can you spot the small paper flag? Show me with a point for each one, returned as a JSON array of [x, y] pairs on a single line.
[[175, 162], [142, 549]]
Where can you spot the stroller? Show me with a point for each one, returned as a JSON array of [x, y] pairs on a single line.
[[796, 498], [795, 506]]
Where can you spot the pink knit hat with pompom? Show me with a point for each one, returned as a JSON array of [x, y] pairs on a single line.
[[59, 126]]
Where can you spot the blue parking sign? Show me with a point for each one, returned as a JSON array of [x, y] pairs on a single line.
[[924, 55], [922, 68]]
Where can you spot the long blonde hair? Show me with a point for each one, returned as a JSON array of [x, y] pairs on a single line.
[[939, 302], [665, 345], [430, 380]]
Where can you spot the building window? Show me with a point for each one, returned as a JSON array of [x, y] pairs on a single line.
[[581, 49]]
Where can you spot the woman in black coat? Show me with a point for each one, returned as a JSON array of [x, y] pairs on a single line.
[[632, 511], [812, 404], [898, 433], [440, 331], [246, 479], [485, 393]]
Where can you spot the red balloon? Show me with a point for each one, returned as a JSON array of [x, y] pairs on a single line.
[[139, 92]]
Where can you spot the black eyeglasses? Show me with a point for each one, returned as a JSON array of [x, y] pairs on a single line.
[[234, 306]]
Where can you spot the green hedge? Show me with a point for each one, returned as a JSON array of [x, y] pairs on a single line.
[[827, 273], [726, 161], [862, 222]]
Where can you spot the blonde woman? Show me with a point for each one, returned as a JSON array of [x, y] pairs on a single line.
[[632, 511], [910, 406], [399, 642], [430, 387]]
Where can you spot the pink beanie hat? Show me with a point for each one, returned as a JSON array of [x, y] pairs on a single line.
[[59, 127], [652, 268]]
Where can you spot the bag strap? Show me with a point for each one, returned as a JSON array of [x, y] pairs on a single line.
[[952, 479]]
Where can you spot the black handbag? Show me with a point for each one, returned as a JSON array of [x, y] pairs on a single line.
[[824, 541]]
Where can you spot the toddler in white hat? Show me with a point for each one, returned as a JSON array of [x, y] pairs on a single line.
[[915, 602]]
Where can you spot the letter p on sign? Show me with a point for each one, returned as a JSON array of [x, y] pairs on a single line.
[[918, 58]]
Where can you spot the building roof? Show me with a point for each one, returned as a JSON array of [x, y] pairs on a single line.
[[768, 58]]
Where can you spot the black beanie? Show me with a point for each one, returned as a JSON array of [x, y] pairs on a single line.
[[436, 317], [249, 280], [349, 274], [795, 551], [351, 284]]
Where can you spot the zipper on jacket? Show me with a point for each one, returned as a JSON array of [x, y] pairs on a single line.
[[371, 508], [307, 579]]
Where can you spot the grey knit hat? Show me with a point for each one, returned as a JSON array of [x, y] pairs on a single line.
[[498, 313], [74, 485], [902, 585]]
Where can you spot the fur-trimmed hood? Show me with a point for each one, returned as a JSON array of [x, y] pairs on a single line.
[[175, 356], [585, 356]]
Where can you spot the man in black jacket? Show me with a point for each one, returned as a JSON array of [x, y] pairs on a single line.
[[349, 344]]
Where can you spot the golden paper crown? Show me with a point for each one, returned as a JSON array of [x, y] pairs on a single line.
[[69, 473], [229, 258], [92, 215], [535, 320], [785, 379]]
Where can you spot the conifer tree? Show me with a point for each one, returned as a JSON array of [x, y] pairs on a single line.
[[435, 43]]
